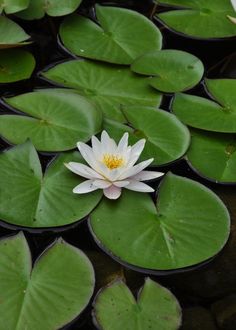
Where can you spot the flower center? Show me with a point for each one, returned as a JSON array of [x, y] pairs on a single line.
[[112, 161]]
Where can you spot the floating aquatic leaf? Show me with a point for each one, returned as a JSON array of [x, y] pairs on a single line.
[[202, 113], [109, 87], [32, 200], [166, 138], [38, 8], [15, 65], [201, 19], [50, 295], [58, 120], [13, 6], [189, 225], [122, 35], [213, 155], [11, 34], [171, 70], [115, 308]]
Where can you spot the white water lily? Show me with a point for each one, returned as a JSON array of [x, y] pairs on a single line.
[[112, 167]]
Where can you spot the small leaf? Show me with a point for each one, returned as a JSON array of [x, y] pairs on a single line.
[[38, 8], [15, 65], [13, 6], [189, 225], [166, 138], [202, 113], [48, 296], [115, 308], [11, 34], [213, 156], [31, 200], [58, 120], [202, 18], [122, 35], [171, 70], [109, 87]]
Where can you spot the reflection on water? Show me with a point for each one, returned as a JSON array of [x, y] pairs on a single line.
[[208, 294]]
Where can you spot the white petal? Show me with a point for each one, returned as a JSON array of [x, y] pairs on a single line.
[[87, 153], [139, 186], [233, 2], [112, 192], [102, 184], [108, 144], [147, 175], [121, 184], [136, 151], [232, 19], [123, 144], [83, 170], [96, 146], [85, 187], [135, 169]]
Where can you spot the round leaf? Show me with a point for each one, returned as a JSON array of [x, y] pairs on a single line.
[[189, 225], [57, 120], [31, 200], [38, 8], [109, 87], [11, 34], [15, 65], [122, 35], [202, 113], [115, 308], [13, 6], [201, 19], [48, 296], [167, 139], [213, 156], [171, 70]]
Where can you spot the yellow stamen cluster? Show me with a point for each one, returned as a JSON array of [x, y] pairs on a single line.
[[112, 161]]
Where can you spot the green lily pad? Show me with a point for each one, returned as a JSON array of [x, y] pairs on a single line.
[[15, 65], [213, 156], [189, 225], [122, 35], [38, 8], [167, 139], [13, 6], [30, 199], [201, 18], [171, 70], [11, 34], [115, 308], [109, 87], [50, 295], [202, 113], [58, 120]]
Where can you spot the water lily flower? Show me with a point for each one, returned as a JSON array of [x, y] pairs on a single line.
[[112, 167]]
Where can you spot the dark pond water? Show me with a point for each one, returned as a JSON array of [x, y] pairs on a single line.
[[206, 294]]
